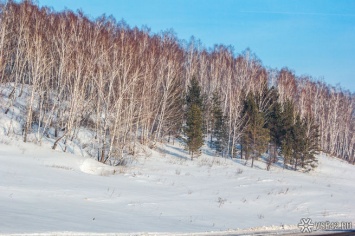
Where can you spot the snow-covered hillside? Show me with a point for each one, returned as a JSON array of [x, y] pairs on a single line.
[[50, 192]]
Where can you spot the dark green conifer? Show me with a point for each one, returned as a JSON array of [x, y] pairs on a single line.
[[298, 141], [194, 118], [287, 119], [194, 95], [256, 136], [275, 127], [219, 126], [311, 143], [194, 129]]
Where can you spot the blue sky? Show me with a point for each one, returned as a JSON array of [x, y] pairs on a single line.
[[313, 37]]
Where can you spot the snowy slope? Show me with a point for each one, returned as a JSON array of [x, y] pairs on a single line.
[[54, 193]]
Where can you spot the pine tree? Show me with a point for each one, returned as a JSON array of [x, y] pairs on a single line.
[[311, 143], [256, 135], [298, 141], [304, 142], [275, 126], [219, 125], [287, 119], [194, 129], [273, 123], [194, 95], [194, 118]]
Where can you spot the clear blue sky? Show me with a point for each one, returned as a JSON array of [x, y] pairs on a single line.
[[314, 37]]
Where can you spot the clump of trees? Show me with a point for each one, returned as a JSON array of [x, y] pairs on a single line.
[[127, 86], [278, 130]]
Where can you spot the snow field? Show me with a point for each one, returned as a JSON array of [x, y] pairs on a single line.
[[50, 192]]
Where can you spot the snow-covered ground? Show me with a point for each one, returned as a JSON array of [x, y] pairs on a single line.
[[50, 192]]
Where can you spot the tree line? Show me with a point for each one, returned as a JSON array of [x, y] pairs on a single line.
[[268, 127], [130, 86]]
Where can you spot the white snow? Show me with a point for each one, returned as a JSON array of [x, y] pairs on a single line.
[[46, 192]]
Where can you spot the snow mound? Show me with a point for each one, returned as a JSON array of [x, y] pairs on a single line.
[[93, 167]]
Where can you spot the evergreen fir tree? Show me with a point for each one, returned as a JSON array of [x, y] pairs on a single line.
[[194, 118], [299, 138], [286, 139], [194, 95], [273, 123], [298, 141], [256, 136], [194, 129], [219, 127], [275, 126], [266, 101], [311, 143]]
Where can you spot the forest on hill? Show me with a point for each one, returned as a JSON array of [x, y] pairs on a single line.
[[130, 86]]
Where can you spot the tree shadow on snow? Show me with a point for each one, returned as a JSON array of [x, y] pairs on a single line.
[[172, 153]]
